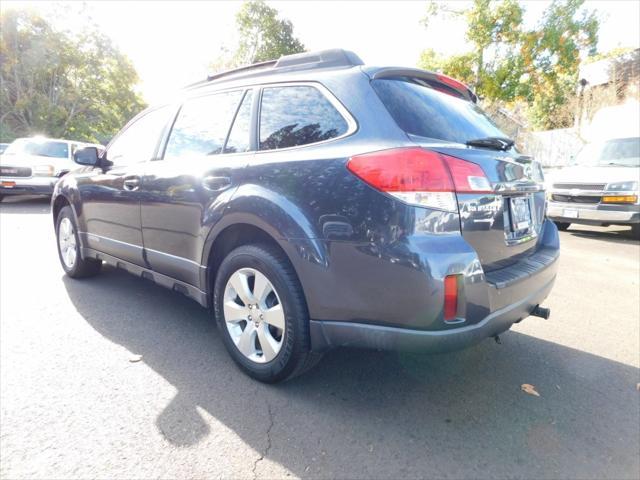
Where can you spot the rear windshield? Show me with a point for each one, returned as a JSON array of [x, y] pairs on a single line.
[[421, 110], [43, 148], [620, 152]]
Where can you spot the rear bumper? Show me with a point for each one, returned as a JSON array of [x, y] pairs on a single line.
[[326, 335], [492, 302], [594, 214], [28, 186]]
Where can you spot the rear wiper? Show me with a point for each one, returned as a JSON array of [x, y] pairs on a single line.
[[496, 143]]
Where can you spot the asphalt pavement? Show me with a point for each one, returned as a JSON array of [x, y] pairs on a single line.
[[78, 401]]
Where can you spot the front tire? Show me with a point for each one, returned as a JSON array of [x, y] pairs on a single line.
[[69, 247], [562, 225], [262, 314], [635, 231]]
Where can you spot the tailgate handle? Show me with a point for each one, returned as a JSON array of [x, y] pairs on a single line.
[[215, 184]]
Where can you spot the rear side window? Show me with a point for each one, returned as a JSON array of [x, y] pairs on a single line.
[[202, 125], [423, 111], [291, 116], [239, 137]]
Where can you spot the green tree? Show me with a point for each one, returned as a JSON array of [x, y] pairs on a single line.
[[551, 60], [62, 85], [263, 36], [492, 28], [509, 63]]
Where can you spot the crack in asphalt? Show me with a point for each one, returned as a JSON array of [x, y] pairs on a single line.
[[266, 450]]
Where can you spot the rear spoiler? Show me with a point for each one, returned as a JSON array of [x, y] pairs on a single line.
[[438, 81]]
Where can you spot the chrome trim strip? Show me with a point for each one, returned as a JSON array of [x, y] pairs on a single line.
[[518, 187], [174, 256], [89, 235]]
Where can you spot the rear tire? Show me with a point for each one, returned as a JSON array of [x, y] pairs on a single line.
[[635, 231], [69, 247], [256, 269], [562, 225]]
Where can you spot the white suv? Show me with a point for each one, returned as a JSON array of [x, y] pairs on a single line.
[[32, 166], [600, 187]]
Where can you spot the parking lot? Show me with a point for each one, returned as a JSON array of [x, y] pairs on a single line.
[[75, 403]]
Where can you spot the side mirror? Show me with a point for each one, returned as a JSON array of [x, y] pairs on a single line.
[[87, 156]]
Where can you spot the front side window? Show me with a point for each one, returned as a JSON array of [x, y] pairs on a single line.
[[291, 116], [139, 141], [202, 125]]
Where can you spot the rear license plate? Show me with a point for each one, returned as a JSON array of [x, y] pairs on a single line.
[[520, 213], [8, 184], [569, 213]]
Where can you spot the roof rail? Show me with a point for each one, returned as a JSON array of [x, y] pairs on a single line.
[[244, 68], [333, 58]]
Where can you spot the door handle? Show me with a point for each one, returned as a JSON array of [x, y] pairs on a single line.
[[131, 183], [215, 184]]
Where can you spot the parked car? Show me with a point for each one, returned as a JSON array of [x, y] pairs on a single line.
[[600, 187], [314, 202], [3, 147], [33, 165]]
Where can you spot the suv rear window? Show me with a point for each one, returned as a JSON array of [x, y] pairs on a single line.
[[297, 115], [421, 110]]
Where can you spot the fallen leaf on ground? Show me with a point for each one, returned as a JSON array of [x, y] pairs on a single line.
[[135, 358], [530, 389]]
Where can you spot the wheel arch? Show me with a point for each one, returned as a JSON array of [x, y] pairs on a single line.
[[58, 204], [235, 230]]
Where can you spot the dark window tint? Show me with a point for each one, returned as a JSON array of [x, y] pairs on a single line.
[[421, 110], [239, 137], [46, 148], [139, 141], [202, 125], [292, 116]]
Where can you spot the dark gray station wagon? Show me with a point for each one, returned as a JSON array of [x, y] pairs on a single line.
[[314, 202]]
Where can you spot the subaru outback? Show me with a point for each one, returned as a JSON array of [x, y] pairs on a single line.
[[314, 202]]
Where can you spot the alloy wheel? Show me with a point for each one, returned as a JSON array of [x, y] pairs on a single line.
[[253, 315], [67, 242]]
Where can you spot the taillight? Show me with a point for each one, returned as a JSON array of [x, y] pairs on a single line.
[[420, 177], [450, 297], [468, 177]]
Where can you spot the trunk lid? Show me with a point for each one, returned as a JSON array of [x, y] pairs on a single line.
[[502, 227]]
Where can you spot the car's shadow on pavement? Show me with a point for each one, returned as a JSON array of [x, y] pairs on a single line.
[[25, 205], [367, 414]]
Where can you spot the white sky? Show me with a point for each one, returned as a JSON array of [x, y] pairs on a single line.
[[171, 43]]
